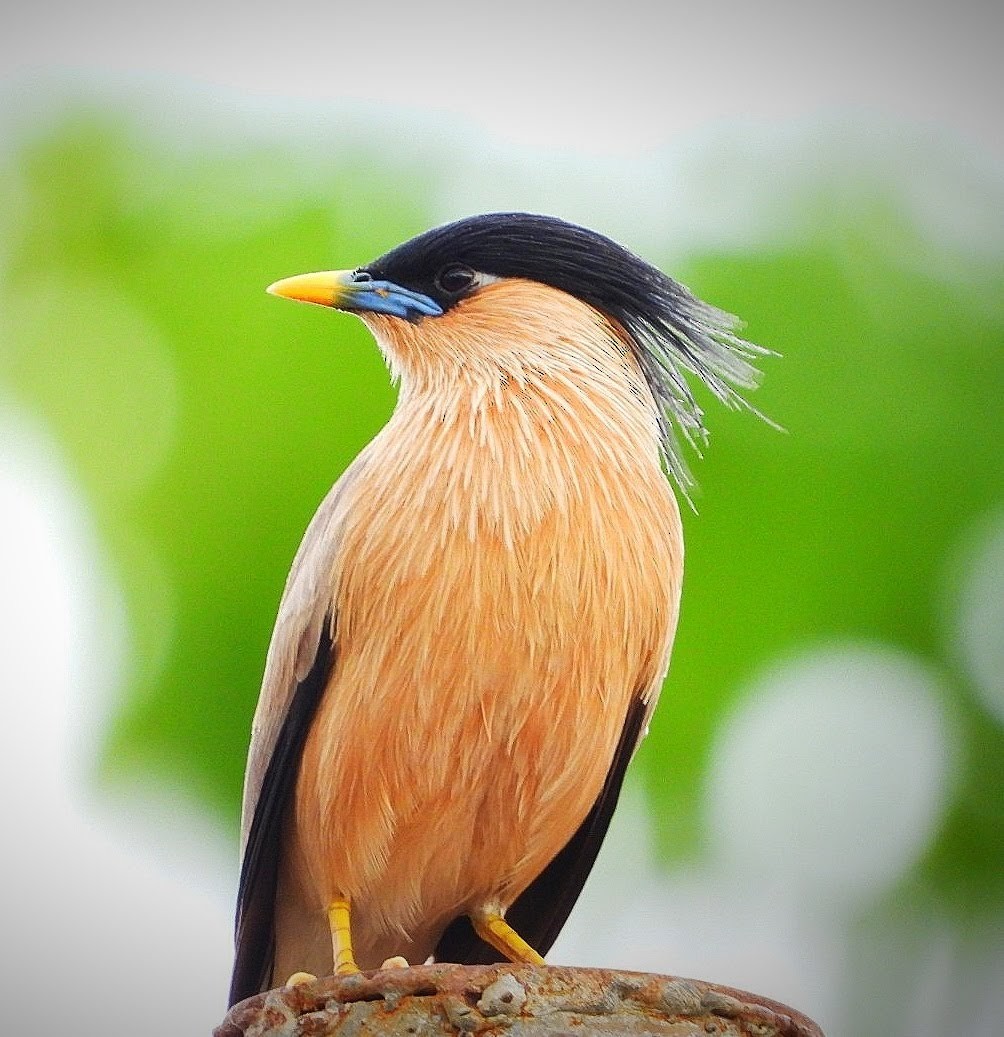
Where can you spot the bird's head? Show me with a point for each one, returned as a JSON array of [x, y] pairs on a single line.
[[491, 293]]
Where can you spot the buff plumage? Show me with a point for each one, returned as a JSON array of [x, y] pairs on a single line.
[[493, 588]]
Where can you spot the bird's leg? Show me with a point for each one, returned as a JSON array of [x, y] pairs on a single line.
[[495, 930], [341, 936]]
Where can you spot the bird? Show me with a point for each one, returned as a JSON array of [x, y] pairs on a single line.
[[478, 622]]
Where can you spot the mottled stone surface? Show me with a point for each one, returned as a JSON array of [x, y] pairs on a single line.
[[517, 1000]]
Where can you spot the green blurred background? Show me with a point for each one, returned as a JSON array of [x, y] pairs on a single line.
[[819, 810]]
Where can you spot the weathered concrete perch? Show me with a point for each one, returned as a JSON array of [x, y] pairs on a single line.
[[516, 1000]]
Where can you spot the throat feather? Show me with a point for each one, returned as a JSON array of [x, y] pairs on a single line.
[[518, 403], [498, 463]]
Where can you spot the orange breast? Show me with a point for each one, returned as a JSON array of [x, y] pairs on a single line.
[[479, 692], [508, 580]]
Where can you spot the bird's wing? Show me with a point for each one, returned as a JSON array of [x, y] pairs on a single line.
[[540, 912], [297, 670]]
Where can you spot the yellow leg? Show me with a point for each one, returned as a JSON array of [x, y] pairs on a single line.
[[495, 930], [341, 936]]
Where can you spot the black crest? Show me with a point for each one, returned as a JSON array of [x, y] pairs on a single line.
[[670, 330]]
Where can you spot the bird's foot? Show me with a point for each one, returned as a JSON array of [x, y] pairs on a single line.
[[397, 962]]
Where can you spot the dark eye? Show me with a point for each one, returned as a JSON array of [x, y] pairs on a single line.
[[455, 278]]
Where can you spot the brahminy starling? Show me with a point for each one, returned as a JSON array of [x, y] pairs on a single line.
[[478, 622]]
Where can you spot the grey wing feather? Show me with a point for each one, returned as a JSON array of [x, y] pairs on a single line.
[[306, 605], [297, 671]]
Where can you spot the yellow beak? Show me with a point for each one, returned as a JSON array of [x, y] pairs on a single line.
[[324, 288], [356, 290]]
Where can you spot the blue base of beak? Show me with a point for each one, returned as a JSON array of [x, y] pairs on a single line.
[[392, 299]]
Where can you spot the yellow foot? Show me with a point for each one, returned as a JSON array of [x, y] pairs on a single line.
[[397, 962], [341, 937], [299, 978], [496, 931]]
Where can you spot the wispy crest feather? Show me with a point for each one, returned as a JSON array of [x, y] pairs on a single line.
[[676, 333]]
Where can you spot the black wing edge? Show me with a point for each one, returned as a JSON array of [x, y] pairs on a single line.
[[540, 912], [254, 937]]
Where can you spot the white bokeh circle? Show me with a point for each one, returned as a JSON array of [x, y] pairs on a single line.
[[140, 912], [830, 777]]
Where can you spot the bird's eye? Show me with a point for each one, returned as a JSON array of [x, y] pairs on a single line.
[[455, 278]]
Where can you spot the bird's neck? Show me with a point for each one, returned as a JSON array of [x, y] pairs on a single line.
[[504, 424]]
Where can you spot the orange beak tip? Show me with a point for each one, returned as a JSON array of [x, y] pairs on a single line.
[[323, 288]]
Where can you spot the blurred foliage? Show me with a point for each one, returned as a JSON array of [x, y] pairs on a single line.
[[205, 422], [890, 390]]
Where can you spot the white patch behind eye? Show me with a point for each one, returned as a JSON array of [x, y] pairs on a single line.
[[481, 279]]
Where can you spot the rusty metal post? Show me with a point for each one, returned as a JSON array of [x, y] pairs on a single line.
[[516, 1000]]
